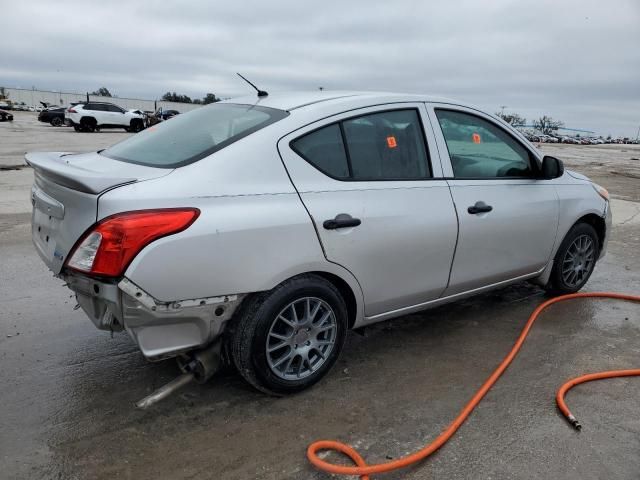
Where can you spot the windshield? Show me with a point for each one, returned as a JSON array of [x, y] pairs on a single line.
[[192, 136]]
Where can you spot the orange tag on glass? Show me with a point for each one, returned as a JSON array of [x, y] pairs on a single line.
[[476, 138], [391, 142]]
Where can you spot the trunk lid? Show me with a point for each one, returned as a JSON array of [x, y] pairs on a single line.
[[65, 197]]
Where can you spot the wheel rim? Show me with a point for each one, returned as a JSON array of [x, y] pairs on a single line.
[[578, 261], [301, 338]]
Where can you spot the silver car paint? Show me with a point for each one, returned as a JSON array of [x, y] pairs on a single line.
[[516, 238], [65, 197], [254, 230], [409, 228]]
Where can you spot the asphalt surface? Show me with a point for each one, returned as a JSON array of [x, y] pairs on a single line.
[[68, 390]]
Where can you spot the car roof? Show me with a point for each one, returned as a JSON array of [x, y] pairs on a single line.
[[99, 103], [296, 100]]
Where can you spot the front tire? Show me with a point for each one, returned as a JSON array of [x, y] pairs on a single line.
[[136, 126], [575, 260], [286, 340]]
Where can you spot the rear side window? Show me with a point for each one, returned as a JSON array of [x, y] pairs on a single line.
[[480, 149], [194, 135], [325, 151], [380, 146], [98, 107]]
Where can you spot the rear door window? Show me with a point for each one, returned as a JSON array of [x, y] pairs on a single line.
[[387, 145], [194, 135]]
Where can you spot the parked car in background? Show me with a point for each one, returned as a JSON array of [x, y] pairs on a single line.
[[4, 105], [548, 139], [167, 114], [52, 115], [5, 116], [161, 115], [266, 228], [92, 116]]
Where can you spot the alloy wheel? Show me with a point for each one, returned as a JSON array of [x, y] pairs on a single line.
[[578, 261], [301, 338]]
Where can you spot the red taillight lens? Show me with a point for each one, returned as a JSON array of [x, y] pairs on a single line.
[[71, 110], [107, 248]]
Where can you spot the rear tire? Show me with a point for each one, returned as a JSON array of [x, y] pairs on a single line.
[[286, 340], [88, 124], [56, 122], [575, 260]]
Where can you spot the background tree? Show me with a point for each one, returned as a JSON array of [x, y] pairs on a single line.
[[174, 97], [210, 98], [513, 119], [102, 92], [547, 125]]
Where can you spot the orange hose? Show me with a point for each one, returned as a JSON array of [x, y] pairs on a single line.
[[364, 470], [562, 391]]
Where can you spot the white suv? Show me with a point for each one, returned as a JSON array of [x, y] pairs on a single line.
[[92, 116]]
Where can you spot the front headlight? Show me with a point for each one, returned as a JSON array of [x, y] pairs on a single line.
[[601, 191]]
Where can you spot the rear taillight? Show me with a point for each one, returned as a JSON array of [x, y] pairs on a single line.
[[109, 246], [71, 110]]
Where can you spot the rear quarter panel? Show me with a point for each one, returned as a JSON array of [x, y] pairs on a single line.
[[253, 231]]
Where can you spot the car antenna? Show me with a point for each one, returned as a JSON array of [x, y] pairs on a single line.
[[261, 93]]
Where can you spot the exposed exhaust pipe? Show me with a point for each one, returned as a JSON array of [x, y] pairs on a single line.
[[166, 390], [200, 366]]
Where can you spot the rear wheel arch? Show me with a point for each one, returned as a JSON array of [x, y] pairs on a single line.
[[88, 122], [347, 293], [244, 336]]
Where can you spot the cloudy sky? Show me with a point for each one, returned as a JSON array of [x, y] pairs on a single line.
[[578, 61]]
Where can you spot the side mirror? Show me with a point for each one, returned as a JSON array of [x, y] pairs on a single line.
[[551, 167]]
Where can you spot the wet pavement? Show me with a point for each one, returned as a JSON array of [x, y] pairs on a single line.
[[68, 390]]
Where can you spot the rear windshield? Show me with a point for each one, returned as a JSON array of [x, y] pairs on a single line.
[[192, 136]]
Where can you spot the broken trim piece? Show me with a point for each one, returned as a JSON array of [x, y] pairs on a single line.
[[130, 288]]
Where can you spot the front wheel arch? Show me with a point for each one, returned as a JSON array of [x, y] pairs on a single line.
[[556, 284], [599, 225]]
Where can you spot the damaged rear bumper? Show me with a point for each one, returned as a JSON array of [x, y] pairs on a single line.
[[160, 329]]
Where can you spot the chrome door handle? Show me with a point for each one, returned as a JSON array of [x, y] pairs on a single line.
[[342, 220], [479, 207]]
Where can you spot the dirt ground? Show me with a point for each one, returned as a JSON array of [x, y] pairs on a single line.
[[68, 390]]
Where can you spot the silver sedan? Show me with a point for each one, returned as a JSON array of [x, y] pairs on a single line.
[[261, 229]]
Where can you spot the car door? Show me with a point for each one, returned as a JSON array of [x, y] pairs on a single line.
[[375, 193], [116, 115], [508, 214], [99, 112]]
